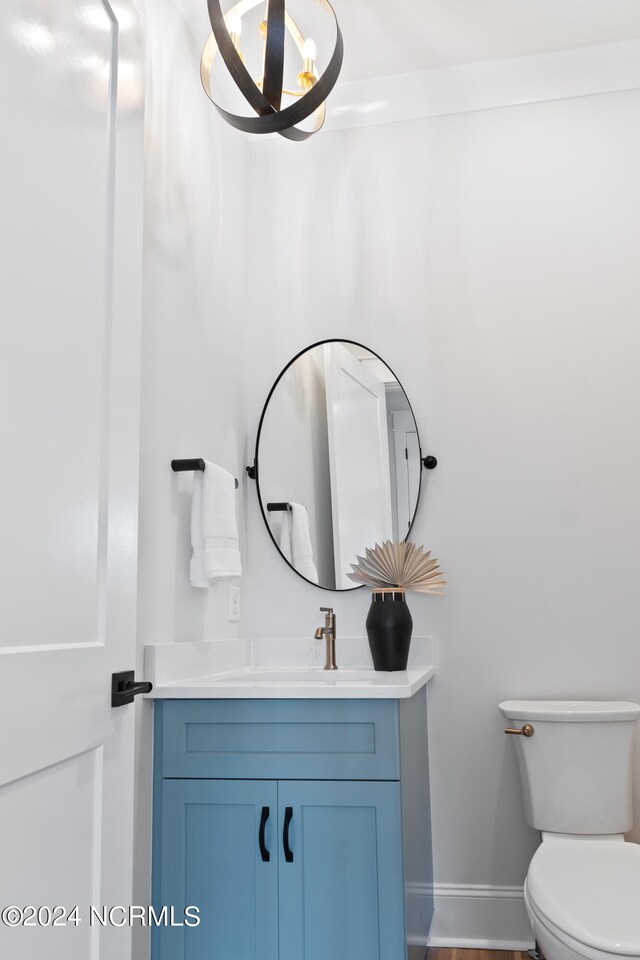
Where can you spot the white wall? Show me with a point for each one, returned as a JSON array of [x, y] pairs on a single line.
[[193, 397], [492, 260]]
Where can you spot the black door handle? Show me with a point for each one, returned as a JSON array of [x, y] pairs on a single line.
[[124, 688], [264, 853], [288, 852]]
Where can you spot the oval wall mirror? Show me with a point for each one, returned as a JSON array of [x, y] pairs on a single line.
[[338, 461]]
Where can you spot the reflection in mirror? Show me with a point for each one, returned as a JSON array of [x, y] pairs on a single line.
[[338, 459]]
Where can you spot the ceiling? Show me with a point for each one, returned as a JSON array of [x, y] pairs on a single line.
[[383, 37]]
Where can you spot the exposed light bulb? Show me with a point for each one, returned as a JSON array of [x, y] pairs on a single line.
[[234, 23], [309, 51], [307, 76]]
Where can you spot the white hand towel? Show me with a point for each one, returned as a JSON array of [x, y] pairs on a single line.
[[196, 568], [284, 536], [295, 541], [214, 529]]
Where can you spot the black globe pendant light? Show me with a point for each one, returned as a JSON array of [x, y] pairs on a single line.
[[265, 96]]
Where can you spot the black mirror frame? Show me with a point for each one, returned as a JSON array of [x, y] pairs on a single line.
[[254, 471]]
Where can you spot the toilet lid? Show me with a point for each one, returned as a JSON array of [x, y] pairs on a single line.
[[589, 889]]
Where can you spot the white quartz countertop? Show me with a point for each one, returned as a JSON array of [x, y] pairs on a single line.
[[298, 683]]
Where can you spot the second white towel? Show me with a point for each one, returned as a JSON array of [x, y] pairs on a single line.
[[295, 541], [214, 528]]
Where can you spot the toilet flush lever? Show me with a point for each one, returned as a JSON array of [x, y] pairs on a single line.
[[527, 731]]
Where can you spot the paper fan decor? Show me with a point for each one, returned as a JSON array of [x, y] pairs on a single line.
[[399, 566]]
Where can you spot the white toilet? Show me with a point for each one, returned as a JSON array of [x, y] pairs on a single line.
[[582, 890]]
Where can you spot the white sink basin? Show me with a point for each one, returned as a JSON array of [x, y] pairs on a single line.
[[272, 675]]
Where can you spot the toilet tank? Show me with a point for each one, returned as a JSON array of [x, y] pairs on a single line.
[[576, 767]]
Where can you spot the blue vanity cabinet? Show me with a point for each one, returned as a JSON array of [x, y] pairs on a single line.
[[281, 820]]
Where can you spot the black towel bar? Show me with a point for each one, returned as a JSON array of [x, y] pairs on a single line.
[[181, 466]]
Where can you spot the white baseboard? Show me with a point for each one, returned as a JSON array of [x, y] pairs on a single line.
[[475, 916]]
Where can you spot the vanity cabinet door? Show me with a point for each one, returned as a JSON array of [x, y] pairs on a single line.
[[342, 884], [212, 859]]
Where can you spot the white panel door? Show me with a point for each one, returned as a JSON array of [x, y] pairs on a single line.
[[358, 458], [71, 116]]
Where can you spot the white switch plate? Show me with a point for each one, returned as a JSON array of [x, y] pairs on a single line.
[[234, 604]]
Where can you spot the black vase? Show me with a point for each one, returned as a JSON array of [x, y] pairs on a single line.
[[389, 626]]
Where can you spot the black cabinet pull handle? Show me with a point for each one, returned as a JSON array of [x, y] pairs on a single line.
[[288, 852], [264, 853]]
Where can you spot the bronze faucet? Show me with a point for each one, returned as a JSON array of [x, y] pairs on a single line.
[[329, 633]]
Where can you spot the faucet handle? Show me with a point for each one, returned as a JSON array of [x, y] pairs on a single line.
[[326, 610]]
